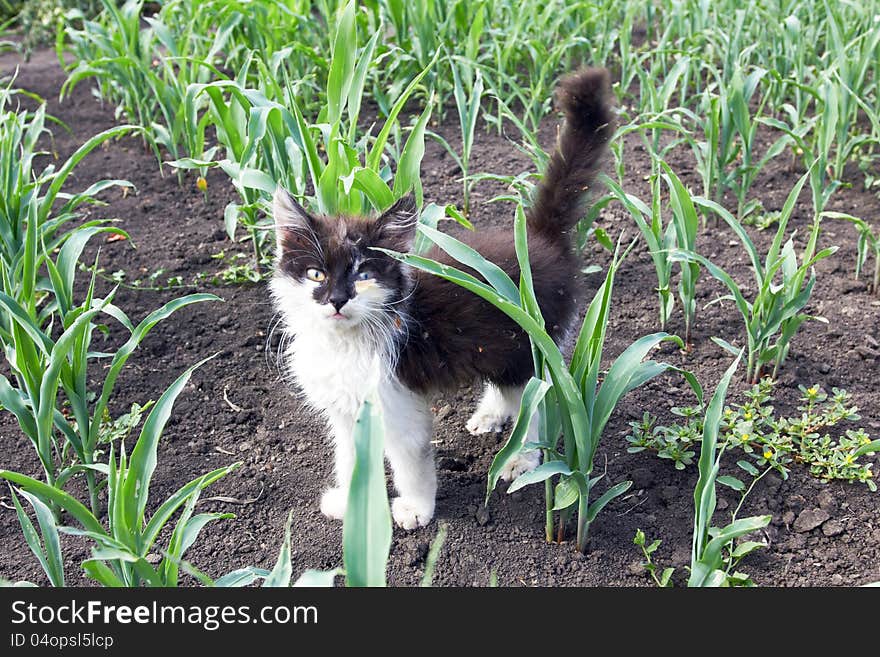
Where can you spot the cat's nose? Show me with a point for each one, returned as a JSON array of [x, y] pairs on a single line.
[[338, 300]]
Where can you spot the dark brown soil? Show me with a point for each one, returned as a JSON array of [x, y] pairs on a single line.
[[286, 461]]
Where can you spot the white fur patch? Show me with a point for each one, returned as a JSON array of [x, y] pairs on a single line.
[[496, 408], [333, 503], [334, 361], [338, 364]]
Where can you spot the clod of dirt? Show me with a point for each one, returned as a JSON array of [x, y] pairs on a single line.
[[418, 555], [635, 569], [795, 503], [772, 482], [670, 494], [810, 519], [642, 477], [867, 353], [444, 412], [833, 528], [827, 501]]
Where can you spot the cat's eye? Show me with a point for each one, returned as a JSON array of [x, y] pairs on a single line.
[[315, 275], [364, 276]]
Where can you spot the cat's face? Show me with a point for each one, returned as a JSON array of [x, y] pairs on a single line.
[[328, 276]]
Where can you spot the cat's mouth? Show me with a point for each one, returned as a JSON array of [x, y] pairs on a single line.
[[338, 315]]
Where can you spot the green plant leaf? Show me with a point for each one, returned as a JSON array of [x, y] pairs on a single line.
[[283, 570], [539, 474], [615, 491], [48, 494], [731, 482], [142, 463], [366, 530]]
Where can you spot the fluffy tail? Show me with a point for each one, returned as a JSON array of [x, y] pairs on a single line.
[[559, 201]]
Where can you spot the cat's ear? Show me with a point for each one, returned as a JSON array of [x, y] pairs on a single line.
[[290, 217], [397, 225]]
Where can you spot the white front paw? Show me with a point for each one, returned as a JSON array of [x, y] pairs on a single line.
[[520, 464], [412, 512], [486, 421], [333, 503]]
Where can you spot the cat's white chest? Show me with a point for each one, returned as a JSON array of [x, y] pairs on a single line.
[[334, 374]]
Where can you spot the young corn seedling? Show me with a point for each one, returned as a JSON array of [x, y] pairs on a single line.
[[686, 224], [814, 139], [147, 70], [644, 124], [789, 63], [714, 552], [42, 368], [736, 117], [775, 314], [660, 239], [680, 232], [38, 305], [629, 60], [520, 61], [33, 209], [118, 54], [45, 543], [119, 557], [828, 140], [366, 530], [656, 113], [421, 30], [37, 293], [714, 154], [848, 86], [869, 242], [573, 402], [467, 102]]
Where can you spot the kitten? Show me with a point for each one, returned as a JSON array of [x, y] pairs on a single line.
[[359, 321]]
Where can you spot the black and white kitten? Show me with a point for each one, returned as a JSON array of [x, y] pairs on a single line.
[[361, 323]]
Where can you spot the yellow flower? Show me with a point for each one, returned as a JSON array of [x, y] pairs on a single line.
[[744, 437], [768, 454], [201, 184], [812, 391], [869, 473], [747, 415]]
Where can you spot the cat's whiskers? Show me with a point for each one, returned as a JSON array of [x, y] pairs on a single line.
[[284, 340], [381, 327], [412, 291]]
